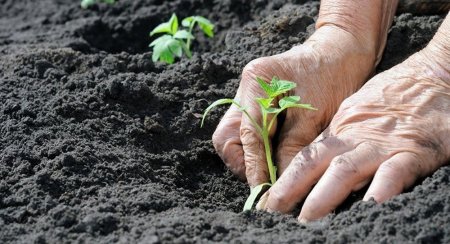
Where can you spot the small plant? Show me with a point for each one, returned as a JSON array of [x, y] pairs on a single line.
[[174, 41], [88, 3], [273, 90]]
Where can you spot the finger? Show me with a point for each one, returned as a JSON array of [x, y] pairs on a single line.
[[393, 176], [347, 172], [227, 142], [304, 171]]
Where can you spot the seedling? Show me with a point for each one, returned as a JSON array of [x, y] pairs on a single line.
[[174, 41], [88, 3], [269, 111]]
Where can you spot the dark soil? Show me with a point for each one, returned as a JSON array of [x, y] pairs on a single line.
[[100, 145]]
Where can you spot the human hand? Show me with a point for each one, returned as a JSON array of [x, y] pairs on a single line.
[[326, 72], [394, 130]]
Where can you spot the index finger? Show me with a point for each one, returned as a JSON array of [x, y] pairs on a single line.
[[304, 171]]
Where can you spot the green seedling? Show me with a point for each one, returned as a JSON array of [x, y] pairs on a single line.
[[88, 3], [176, 41], [269, 111]]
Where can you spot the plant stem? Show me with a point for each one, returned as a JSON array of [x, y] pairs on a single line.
[[191, 27], [272, 171], [265, 135]]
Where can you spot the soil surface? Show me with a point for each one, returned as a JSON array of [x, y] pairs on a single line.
[[100, 145]]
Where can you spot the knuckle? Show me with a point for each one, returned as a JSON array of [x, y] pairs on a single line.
[[216, 140], [343, 167], [388, 167], [347, 103], [249, 136], [310, 152], [254, 65]]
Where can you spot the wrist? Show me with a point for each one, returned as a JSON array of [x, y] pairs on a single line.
[[367, 20]]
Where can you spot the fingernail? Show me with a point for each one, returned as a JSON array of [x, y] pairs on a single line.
[[262, 201]]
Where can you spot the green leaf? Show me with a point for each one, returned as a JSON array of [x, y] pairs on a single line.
[[255, 193], [286, 101], [175, 47], [183, 34], [265, 102], [161, 28], [280, 86], [167, 56], [160, 40], [292, 102], [165, 48], [186, 22], [205, 25], [173, 24], [186, 49], [301, 105], [170, 27], [215, 104], [266, 87]]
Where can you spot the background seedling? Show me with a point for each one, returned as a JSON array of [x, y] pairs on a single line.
[[273, 91], [88, 3], [174, 41]]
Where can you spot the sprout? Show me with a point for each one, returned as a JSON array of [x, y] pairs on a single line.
[[273, 90], [175, 42]]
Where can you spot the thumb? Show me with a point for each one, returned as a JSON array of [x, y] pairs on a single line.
[[251, 135], [256, 169]]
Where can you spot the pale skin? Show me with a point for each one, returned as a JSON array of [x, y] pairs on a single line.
[[385, 132]]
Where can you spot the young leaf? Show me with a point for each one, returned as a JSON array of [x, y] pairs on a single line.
[[173, 24], [205, 25], [254, 194], [266, 87], [175, 47], [163, 53], [281, 86], [165, 48], [186, 22], [265, 102], [186, 49], [215, 104], [161, 28], [160, 40], [266, 105], [286, 101], [292, 102], [170, 27], [183, 34]]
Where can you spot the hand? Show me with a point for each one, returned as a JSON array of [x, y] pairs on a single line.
[[394, 130], [326, 72]]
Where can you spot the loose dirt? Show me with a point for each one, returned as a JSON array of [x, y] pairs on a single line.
[[100, 145]]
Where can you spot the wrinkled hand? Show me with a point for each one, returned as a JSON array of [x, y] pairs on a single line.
[[394, 130], [326, 72]]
